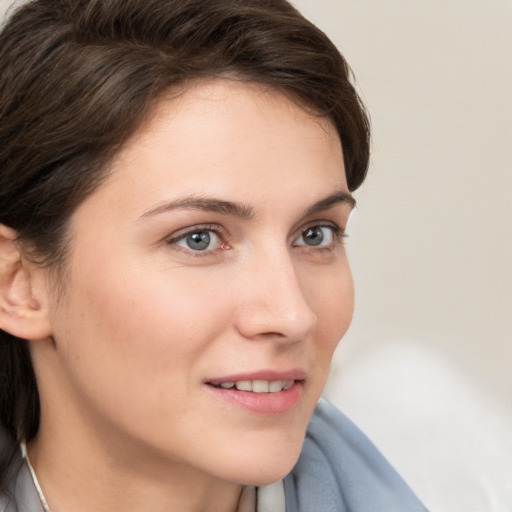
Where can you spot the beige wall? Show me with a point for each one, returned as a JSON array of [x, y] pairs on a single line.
[[5, 4], [431, 243]]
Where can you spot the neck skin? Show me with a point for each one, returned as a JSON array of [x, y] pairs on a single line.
[[79, 472]]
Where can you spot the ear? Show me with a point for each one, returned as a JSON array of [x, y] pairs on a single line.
[[23, 302]]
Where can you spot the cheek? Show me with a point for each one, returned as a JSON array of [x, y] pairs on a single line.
[[155, 316], [136, 333], [332, 299]]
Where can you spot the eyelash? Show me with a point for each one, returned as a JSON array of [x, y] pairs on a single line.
[[338, 235]]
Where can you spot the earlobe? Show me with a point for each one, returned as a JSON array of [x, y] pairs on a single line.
[[23, 307]]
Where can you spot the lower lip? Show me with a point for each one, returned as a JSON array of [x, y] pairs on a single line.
[[270, 404]]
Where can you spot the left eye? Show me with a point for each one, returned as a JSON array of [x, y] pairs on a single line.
[[200, 240], [316, 236]]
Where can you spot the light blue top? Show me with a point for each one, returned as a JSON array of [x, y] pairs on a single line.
[[340, 470]]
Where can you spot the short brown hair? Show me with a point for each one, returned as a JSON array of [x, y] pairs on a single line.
[[78, 77]]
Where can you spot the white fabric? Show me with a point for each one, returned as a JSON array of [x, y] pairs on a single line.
[[271, 498]]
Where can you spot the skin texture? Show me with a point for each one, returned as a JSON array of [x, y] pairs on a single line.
[[128, 421]]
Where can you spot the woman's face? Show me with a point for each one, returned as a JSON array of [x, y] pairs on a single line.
[[207, 287]]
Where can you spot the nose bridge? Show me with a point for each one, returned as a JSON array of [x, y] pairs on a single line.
[[275, 303]]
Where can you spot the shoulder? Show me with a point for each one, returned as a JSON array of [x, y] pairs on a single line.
[[340, 470]]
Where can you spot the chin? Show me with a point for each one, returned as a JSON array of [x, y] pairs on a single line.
[[266, 465], [264, 454], [264, 476]]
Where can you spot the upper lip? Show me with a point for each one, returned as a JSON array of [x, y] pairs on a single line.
[[268, 375]]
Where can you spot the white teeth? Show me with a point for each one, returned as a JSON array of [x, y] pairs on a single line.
[[243, 385], [259, 386], [275, 386], [288, 384]]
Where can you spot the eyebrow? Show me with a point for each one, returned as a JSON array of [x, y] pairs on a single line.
[[330, 201], [204, 204], [240, 210]]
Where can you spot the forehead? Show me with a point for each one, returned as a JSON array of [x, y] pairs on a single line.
[[229, 102], [226, 118], [222, 137]]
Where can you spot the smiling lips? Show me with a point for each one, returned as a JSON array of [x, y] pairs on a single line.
[[267, 393]]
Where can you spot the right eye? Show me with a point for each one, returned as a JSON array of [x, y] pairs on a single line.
[[198, 240]]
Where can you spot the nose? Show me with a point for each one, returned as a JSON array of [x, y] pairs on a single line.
[[272, 303]]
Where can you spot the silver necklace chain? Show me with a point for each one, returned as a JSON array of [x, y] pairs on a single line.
[[24, 454]]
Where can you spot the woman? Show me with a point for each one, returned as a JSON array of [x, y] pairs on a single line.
[[173, 198]]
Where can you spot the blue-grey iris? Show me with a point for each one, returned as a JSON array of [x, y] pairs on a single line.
[[198, 241], [313, 236]]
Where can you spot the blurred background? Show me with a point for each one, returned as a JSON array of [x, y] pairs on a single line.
[[426, 369]]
